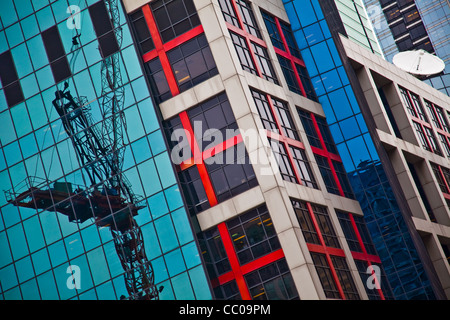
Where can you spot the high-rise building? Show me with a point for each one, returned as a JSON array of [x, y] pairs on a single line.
[[413, 25], [90, 205], [208, 149], [263, 181], [358, 104], [170, 150]]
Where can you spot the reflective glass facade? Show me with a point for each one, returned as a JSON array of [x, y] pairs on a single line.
[[357, 25], [89, 185], [389, 232], [412, 25]]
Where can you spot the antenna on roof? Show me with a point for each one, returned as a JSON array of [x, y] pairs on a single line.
[[419, 63]]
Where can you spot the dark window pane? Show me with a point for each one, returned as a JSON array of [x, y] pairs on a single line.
[[192, 63], [108, 44], [305, 221], [8, 76], [345, 278], [310, 129], [174, 17], [162, 18], [56, 54], [325, 275], [60, 69], [103, 29], [8, 73], [158, 80], [327, 174], [141, 29], [53, 44], [271, 26], [243, 53], [13, 94], [289, 74], [343, 179], [325, 225]]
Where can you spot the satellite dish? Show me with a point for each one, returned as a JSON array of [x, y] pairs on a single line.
[[419, 63]]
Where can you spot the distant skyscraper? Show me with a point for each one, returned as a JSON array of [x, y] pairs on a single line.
[[412, 25]]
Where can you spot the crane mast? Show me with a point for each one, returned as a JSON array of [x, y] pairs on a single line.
[[100, 149]]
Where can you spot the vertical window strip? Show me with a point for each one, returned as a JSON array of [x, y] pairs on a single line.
[[10, 79], [289, 56], [246, 37], [330, 270], [286, 145], [329, 163], [228, 239]]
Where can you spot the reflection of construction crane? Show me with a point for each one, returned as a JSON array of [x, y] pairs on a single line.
[[100, 150]]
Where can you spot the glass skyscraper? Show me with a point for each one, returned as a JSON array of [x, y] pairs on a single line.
[[412, 25], [71, 80], [213, 149], [315, 33]]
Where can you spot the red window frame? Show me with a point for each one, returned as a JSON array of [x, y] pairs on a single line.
[[161, 48], [327, 251], [199, 156], [423, 124], [238, 271], [285, 140], [438, 170], [324, 152], [331, 251], [249, 38], [440, 128], [364, 255], [286, 53]]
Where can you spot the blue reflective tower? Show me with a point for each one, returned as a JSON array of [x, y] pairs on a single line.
[[316, 26], [59, 102]]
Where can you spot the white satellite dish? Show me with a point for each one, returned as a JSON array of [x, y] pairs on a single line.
[[419, 63]]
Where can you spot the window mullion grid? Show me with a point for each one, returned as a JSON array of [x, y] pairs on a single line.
[[409, 103], [327, 155], [441, 118], [432, 110], [441, 127], [198, 159], [445, 140], [441, 172], [289, 56], [198, 156], [239, 271], [325, 250], [159, 49], [424, 124]]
